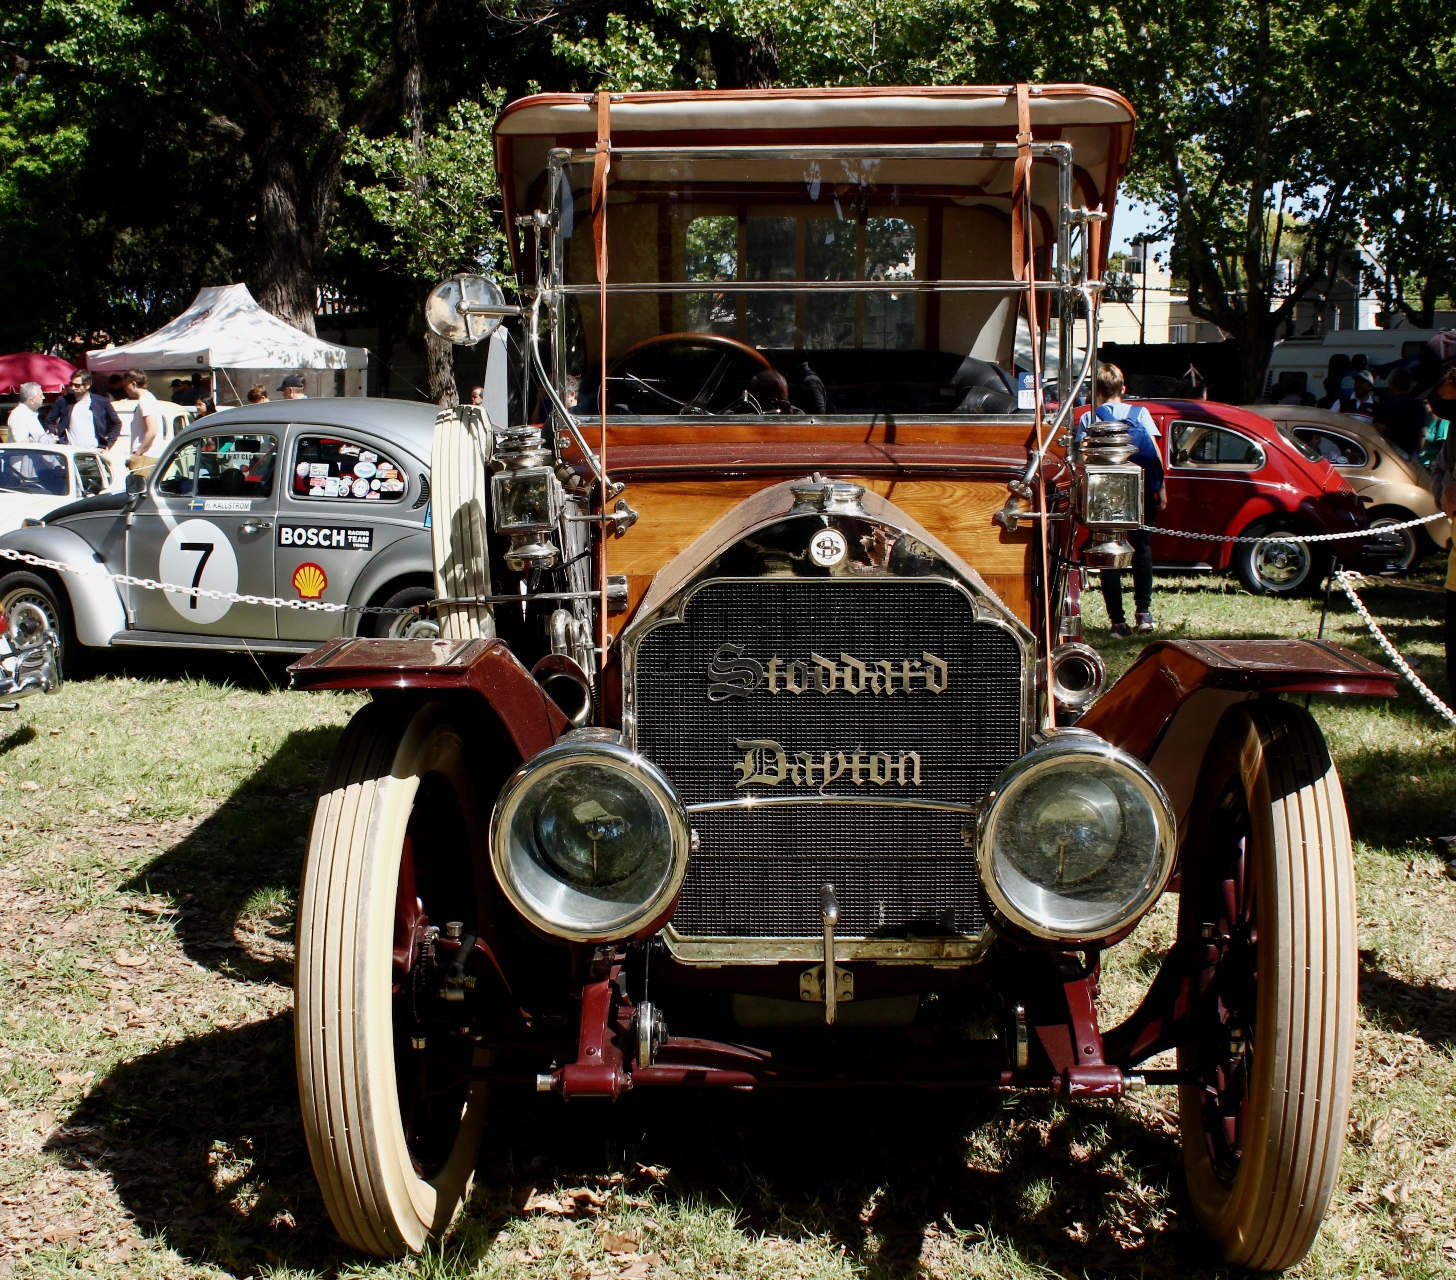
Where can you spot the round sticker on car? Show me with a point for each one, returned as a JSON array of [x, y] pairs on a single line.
[[198, 556], [827, 548]]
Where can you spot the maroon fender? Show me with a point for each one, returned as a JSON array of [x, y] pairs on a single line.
[[485, 668], [1166, 706]]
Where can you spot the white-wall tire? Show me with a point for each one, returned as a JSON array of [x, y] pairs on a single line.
[[1275, 844], [460, 521], [385, 1193]]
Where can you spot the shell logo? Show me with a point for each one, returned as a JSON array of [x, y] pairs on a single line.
[[309, 581]]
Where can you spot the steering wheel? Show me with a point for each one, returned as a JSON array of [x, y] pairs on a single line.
[[710, 341]]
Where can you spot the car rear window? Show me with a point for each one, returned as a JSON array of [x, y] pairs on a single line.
[[33, 471], [345, 470], [1332, 446]]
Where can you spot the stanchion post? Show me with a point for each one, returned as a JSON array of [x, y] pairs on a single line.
[[1329, 586]]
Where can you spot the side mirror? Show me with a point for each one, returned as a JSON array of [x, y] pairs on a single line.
[[136, 482]]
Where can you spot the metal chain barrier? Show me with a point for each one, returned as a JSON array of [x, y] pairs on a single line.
[[234, 597], [1277, 536], [1346, 579]]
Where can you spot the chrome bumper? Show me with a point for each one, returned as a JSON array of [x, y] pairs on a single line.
[[28, 662]]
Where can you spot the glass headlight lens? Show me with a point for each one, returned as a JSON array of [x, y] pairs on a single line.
[[589, 841], [1077, 840]]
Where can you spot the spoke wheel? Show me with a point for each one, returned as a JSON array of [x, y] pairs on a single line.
[[1269, 895], [393, 1125]]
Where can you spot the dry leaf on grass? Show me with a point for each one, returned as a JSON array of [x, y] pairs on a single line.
[[28, 785], [622, 1241], [126, 961], [548, 1204]]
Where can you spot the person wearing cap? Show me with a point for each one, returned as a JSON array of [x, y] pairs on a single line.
[[291, 388], [1362, 396]]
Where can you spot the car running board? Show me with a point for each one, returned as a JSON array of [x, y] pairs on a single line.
[[226, 644]]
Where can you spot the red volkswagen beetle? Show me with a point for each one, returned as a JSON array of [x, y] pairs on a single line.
[[1229, 471]]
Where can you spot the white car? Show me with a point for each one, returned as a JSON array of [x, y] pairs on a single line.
[[37, 478]]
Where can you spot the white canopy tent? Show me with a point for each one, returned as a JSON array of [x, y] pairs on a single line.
[[227, 334]]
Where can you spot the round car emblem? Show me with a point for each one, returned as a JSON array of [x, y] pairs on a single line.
[[827, 548]]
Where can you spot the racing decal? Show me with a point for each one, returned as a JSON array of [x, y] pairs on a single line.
[[309, 581], [333, 537], [197, 555]]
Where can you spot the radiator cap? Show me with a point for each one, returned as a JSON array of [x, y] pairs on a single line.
[[816, 494]]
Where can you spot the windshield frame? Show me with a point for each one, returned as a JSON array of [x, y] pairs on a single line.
[[1067, 287]]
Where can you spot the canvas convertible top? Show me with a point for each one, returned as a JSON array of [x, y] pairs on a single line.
[[1096, 122]]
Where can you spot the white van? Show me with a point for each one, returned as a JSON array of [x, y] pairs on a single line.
[[1303, 362]]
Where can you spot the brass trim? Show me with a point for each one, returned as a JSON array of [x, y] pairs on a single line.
[[692, 949], [863, 802]]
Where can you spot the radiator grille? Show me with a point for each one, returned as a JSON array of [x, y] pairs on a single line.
[[758, 872]]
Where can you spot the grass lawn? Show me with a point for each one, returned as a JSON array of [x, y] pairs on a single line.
[[152, 824]]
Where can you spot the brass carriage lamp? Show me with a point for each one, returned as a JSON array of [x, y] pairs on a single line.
[[1109, 493]]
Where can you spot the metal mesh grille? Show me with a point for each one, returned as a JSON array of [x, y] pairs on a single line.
[[758, 872]]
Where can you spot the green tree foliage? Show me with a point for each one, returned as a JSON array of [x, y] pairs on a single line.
[[118, 195], [148, 145], [437, 200]]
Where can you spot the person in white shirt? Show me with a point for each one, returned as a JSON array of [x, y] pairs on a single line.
[[147, 423], [24, 422]]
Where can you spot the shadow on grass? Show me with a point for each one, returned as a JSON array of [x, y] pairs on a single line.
[[204, 1145], [1417, 1009], [253, 841], [259, 672], [16, 738]]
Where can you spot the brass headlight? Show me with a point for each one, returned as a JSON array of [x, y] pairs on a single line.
[[1076, 840], [589, 840]]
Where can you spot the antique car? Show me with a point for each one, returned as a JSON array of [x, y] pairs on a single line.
[[1230, 471], [759, 747], [35, 479], [346, 521], [1394, 486]]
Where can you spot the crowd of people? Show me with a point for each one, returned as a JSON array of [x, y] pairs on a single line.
[[85, 414], [1351, 387]]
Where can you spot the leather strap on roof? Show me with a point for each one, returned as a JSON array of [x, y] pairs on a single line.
[[1021, 183]]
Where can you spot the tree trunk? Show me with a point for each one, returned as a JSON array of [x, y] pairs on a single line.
[[744, 62], [439, 354], [283, 281]]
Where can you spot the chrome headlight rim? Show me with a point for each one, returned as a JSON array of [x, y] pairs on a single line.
[[589, 747], [1073, 745]]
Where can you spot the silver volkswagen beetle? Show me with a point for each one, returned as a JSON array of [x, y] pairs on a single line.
[[309, 500]]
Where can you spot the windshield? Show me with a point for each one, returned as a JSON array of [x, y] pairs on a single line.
[[847, 287], [34, 471]]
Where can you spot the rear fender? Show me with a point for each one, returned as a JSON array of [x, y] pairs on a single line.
[[485, 669], [96, 605], [410, 557], [1166, 706]]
